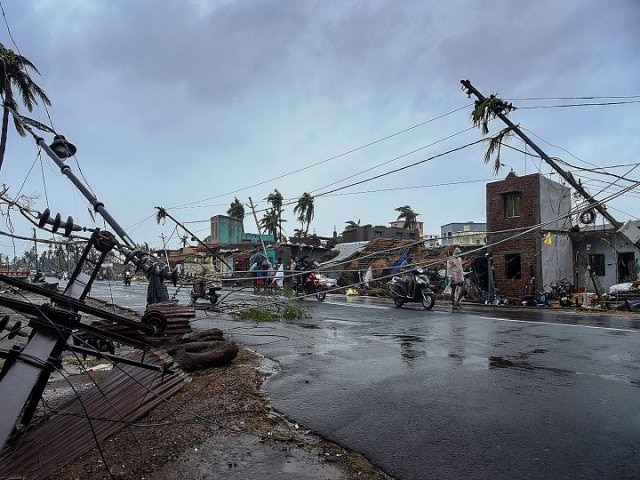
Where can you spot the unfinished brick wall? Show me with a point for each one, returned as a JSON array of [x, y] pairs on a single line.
[[499, 227], [528, 187], [529, 264]]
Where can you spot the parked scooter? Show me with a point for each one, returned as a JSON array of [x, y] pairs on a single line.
[[207, 289], [421, 293], [561, 291], [312, 285]]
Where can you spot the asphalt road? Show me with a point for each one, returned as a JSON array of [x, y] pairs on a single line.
[[486, 393]]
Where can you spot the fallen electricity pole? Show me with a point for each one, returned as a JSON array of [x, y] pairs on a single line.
[[498, 109]]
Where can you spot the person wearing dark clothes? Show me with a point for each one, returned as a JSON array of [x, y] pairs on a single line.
[[157, 290]]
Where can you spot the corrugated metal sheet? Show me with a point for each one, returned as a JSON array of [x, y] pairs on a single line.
[[178, 322], [126, 395], [345, 250]]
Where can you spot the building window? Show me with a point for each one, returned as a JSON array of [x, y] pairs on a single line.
[[399, 234], [512, 204], [377, 234], [596, 262], [512, 266]]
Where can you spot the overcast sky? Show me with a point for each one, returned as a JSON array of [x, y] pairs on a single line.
[[188, 104]]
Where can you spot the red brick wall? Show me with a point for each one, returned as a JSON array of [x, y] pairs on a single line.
[[529, 263], [526, 245], [528, 186]]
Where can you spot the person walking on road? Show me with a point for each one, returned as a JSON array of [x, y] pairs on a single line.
[[454, 272]]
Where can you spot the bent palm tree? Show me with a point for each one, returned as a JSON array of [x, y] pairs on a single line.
[[409, 216], [305, 210], [351, 224], [14, 74], [270, 222], [236, 209], [275, 199]]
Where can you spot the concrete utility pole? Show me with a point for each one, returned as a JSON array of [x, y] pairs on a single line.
[[255, 217], [593, 204], [164, 246]]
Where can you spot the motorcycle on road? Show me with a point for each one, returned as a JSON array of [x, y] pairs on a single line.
[[207, 289], [420, 291], [312, 285]]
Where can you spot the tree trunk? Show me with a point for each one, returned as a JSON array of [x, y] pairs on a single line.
[[279, 226], [3, 136]]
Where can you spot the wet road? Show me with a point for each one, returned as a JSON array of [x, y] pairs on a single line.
[[502, 394]]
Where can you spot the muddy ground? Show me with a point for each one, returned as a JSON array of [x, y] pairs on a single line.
[[218, 425]]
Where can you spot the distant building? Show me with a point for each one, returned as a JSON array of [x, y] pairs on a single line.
[[363, 233], [431, 240], [230, 231], [226, 230], [400, 224], [464, 233]]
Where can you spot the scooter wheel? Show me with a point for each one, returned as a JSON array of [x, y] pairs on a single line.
[[320, 293], [428, 301], [398, 301], [213, 298]]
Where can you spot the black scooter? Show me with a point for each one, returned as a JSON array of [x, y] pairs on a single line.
[[421, 293]]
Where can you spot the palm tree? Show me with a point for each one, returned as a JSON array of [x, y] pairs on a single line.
[[409, 216], [304, 208], [31, 257], [275, 199], [270, 222], [236, 210], [351, 224], [72, 252], [14, 74], [184, 240]]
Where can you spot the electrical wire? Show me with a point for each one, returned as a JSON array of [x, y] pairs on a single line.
[[569, 105], [396, 170], [335, 157], [394, 159], [622, 97], [413, 187]]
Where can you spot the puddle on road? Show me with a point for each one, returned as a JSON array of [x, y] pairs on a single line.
[[268, 366]]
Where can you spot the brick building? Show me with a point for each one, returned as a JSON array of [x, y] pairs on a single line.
[[521, 213]]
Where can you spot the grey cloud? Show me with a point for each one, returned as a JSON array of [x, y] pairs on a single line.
[[215, 57]]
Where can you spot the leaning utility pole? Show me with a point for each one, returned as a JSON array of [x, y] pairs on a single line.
[[498, 109], [255, 217]]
